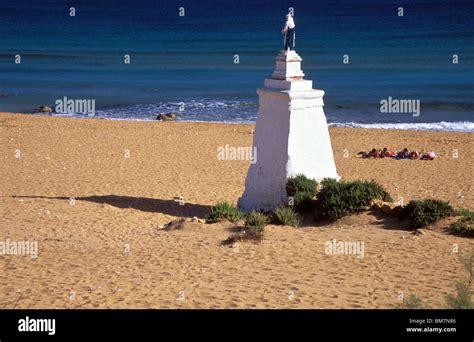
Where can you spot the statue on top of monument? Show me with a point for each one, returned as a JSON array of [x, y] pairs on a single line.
[[289, 32]]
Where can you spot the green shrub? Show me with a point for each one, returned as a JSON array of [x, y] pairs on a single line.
[[374, 190], [412, 302], [224, 211], [463, 226], [462, 299], [255, 223], [302, 190], [427, 211], [300, 183], [466, 213], [285, 216], [337, 199], [329, 202], [302, 202]]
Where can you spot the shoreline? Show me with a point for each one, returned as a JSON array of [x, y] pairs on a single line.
[[422, 126]]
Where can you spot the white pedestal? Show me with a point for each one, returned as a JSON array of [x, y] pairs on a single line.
[[291, 136]]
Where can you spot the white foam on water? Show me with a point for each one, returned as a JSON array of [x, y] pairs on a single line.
[[460, 126]]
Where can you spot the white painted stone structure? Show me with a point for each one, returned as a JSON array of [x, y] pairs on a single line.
[[291, 136]]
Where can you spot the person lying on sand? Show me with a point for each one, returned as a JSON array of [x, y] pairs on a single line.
[[403, 154], [428, 156], [386, 153], [373, 153], [414, 155]]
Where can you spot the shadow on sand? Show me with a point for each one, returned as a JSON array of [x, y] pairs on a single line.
[[156, 205], [390, 221], [172, 207]]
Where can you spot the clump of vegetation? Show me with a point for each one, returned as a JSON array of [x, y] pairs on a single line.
[[338, 198], [335, 199], [464, 226], [427, 211], [411, 303], [301, 191], [462, 298], [374, 190], [285, 216], [255, 223], [466, 213], [224, 211], [300, 183]]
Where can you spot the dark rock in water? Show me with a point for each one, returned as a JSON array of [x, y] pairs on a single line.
[[167, 117], [45, 109], [4, 95]]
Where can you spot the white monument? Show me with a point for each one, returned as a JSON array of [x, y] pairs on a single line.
[[291, 134]]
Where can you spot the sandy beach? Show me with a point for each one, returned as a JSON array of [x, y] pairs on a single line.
[[93, 194]]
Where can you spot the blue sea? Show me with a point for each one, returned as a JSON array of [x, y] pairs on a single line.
[[187, 63]]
